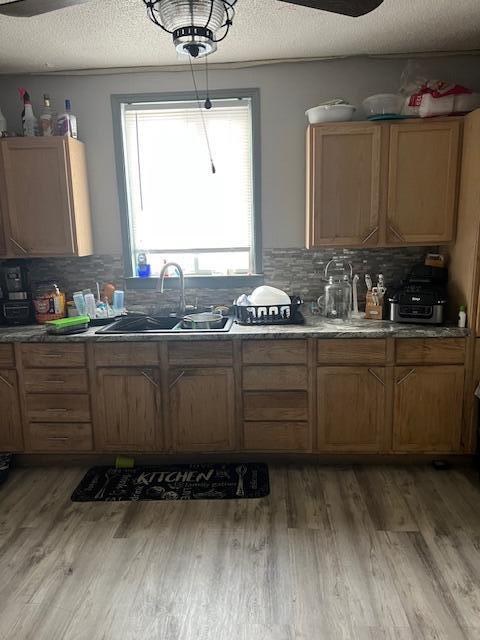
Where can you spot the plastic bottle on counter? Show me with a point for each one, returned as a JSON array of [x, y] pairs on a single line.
[[90, 306], [29, 121], [118, 302], [462, 317], [47, 118], [67, 122]]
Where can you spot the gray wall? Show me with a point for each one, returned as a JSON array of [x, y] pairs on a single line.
[[286, 91]]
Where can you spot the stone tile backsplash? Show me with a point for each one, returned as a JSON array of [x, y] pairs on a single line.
[[298, 271]]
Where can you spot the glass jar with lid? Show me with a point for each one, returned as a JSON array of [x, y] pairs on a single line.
[[49, 302]]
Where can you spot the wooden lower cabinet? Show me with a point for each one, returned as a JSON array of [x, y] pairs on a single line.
[[428, 403], [202, 409], [11, 439], [351, 409], [128, 410]]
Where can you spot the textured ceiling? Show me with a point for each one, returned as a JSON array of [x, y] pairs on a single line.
[[116, 33]]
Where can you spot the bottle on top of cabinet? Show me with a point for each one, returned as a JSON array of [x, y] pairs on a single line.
[[47, 118], [67, 122], [29, 121], [3, 123]]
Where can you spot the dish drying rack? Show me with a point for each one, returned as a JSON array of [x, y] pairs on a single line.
[[269, 313]]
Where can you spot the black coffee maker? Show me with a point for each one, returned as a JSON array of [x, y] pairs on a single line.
[[16, 306]]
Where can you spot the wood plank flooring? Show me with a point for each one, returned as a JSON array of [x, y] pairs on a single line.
[[334, 553]]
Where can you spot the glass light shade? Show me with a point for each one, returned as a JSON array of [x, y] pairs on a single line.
[[178, 14]]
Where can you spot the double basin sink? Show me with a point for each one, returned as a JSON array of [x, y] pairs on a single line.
[[159, 324]]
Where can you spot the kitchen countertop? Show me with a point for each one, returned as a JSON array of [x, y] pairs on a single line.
[[313, 328]]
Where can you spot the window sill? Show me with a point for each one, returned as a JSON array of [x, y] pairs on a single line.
[[197, 282]]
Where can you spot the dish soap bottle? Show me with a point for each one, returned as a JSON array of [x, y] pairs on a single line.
[[29, 121], [462, 317], [67, 122], [47, 119]]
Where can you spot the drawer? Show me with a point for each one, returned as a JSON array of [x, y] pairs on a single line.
[[126, 354], [58, 408], [59, 437], [7, 356], [53, 355], [56, 381], [278, 377], [280, 405], [276, 436], [201, 353], [352, 351], [430, 350], [274, 352]]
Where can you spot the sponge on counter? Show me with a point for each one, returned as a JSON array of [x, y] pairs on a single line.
[[122, 462], [66, 326]]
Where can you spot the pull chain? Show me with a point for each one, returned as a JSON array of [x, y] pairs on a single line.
[[212, 164]]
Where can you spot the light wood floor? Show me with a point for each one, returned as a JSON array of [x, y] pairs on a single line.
[[333, 553]]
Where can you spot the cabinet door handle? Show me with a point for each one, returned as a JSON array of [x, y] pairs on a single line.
[[177, 380], [376, 376], [150, 379], [407, 375], [7, 382], [19, 246], [396, 233], [372, 233]]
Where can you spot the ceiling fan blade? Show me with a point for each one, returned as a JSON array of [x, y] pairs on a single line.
[[353, 8], [29, 8]]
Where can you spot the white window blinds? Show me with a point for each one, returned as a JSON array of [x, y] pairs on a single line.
[[176, 203]]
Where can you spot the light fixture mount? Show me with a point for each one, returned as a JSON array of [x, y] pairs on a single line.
[[195, 25]]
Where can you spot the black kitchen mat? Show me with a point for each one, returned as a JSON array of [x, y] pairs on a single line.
[[174, 482]]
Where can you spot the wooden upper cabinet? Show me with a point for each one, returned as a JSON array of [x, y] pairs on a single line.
[[202, 409], [382, 184], [45, 204], [351, 409], [11, 439], [428, 409], [128, 410], [344, 173], [422, 182]]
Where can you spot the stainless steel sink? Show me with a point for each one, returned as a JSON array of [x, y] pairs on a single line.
[[157, 325]]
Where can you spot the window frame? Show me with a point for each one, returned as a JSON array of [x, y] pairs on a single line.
[[194, 281]]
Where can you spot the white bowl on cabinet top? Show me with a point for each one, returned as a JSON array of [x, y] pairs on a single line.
[[330, 113]]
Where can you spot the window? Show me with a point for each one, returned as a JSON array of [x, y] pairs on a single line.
[[176, 207]]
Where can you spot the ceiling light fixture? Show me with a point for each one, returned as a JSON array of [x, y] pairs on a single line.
[[196, 25]]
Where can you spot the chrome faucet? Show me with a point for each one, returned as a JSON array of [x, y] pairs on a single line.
[[160, 284]]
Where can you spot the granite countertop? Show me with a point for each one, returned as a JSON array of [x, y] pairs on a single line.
[[314, 327]]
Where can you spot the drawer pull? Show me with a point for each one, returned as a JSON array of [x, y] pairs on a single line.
[[377, 377], [59, 410], [177, 380], [19, 246], [407, 375], [58, 439], [370, 235], [7, 382], [150, 379]]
